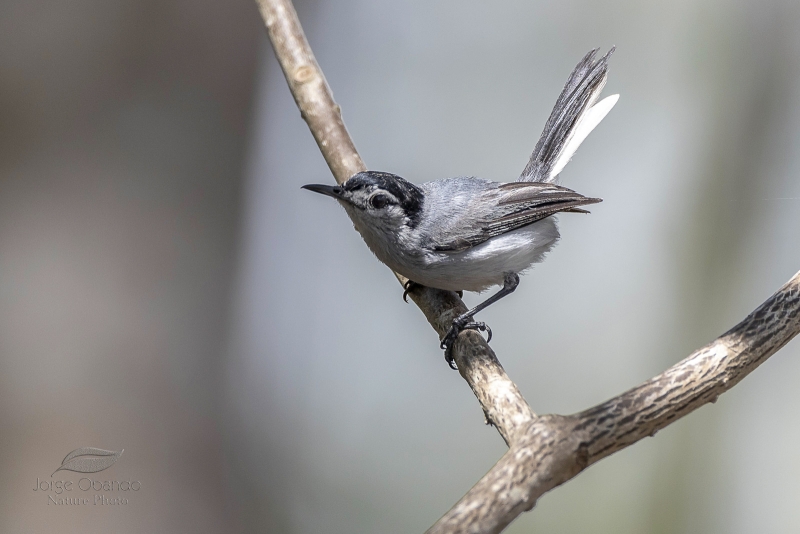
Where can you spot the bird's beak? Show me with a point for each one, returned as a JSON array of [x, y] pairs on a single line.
[[330, 190]]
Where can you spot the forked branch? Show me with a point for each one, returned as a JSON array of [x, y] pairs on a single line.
[[544, 451], [555, 448]]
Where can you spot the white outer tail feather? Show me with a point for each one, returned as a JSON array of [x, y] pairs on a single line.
[[590, 119]]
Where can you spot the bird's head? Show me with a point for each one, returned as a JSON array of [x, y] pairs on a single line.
[[377, 201]]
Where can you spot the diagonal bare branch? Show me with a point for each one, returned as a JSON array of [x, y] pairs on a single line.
[[545, 451], [310, 89], [494, 389], [555, 448]]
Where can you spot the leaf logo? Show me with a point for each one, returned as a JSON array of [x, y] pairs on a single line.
[[89, 460]]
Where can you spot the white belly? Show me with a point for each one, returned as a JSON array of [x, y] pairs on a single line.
[[483, 266]]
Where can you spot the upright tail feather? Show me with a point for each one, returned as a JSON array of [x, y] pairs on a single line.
[[574, 116]]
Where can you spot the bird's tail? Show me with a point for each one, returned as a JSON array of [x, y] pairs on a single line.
[[574, 116]]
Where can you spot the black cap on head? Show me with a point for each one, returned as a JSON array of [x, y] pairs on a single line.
[[407, 194]]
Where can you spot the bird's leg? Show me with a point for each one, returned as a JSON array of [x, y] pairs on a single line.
[[464, 321]]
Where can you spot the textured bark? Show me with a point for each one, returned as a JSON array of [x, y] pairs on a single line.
[[544, 451], [310, 89], [553, 448]]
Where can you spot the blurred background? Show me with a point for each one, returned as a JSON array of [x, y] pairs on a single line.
[[168, 289]]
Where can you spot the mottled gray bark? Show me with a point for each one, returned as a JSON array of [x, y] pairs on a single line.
[[544, 451], [552, 449]]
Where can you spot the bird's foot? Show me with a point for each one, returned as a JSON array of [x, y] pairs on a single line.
[[408, 287], [459, 324]]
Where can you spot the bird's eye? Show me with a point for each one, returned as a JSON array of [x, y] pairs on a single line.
[[379, 201]]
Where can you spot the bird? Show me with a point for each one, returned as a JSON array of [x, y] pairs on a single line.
[[468, 233]]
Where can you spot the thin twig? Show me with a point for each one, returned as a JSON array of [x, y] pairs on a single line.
[[545, 451]]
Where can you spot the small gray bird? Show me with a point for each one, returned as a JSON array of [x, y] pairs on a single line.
[[471, 234]]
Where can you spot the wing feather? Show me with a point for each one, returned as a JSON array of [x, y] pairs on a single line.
[[514, 205]]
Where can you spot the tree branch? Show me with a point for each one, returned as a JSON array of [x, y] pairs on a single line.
[[545, 451], [310, 89], [324, 118], [555, 448]]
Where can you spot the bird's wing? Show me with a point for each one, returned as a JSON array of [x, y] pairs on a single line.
[[511, 206]]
